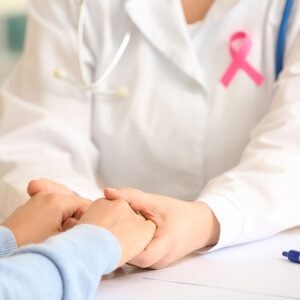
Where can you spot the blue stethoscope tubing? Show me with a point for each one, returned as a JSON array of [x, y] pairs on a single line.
[[282, 36]]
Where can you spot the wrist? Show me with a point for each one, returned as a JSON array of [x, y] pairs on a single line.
[[208, 226], [8, 226]]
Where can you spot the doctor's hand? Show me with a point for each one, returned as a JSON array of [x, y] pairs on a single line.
[[132, 230], [182, 227], [44, 215]]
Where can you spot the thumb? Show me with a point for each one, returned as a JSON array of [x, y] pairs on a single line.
[[45, 185], [112, 194], [137, 199], [152, 254], [73, 206]]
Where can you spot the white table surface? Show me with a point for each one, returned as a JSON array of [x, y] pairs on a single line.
[[252, 271]]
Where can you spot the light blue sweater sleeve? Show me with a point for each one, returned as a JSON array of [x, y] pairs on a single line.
[[7, 242], [67, 266]]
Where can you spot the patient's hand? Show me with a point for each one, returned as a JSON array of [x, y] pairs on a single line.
[[132, 230], [49, 186], [44, 215], [182, 227], [46, 185]]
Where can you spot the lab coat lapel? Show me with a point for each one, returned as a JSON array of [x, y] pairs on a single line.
[[163, 24]]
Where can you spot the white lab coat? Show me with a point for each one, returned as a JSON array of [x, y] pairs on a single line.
[[180, 133]]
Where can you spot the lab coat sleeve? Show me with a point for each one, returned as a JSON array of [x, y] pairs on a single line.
[[261, 195], [45, 123]]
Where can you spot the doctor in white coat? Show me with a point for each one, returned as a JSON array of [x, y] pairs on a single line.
[[230, 150]]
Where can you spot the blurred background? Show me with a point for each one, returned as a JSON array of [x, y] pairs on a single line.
[[12, 33]]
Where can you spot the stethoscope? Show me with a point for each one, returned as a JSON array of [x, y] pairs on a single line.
[[96, 86], [123, 91], [282, 36]]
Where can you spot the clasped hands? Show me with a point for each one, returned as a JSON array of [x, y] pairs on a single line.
[[165, 230]]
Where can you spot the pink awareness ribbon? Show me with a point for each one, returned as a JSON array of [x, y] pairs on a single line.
[[239, 60]]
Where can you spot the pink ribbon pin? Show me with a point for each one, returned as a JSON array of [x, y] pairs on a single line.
[[239, 60]]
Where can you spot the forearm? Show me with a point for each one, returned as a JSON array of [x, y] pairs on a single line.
[[67, 266]]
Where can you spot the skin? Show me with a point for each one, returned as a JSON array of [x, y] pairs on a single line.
[[195, 10], [133, 231], [36, 186], [188, 225], [182, 227], [45, 214]]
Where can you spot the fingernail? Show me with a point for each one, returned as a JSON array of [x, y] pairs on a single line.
[[110, 189]]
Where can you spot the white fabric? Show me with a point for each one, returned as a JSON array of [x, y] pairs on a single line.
[[180, 132], [194, 29]]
